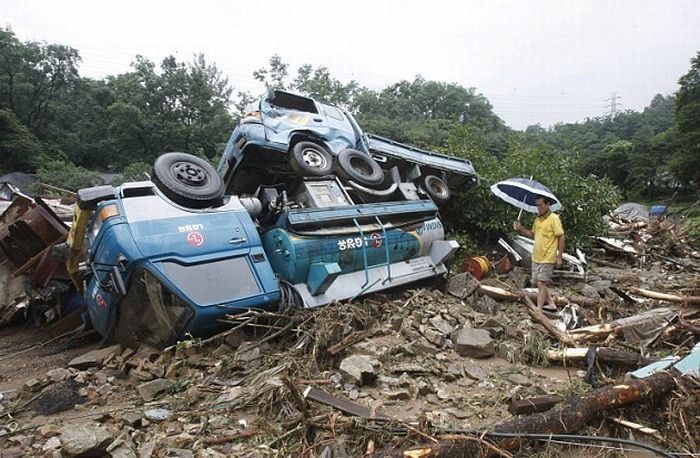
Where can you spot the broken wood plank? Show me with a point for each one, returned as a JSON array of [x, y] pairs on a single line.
[[344, 405], [637, 427], [580, 410], [687, 300], [350, 339], [532, 405], [603, 354]]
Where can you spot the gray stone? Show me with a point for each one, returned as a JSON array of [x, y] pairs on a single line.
[[398, 395], [59, 374], [475, 372], [519, 379], [158, 414], [487, 305], [151, 390], [95, 358], [49, 430], [51, 444], [33, 385], [442, 325], [476, 343], [589, 291], [359, 369], [85, 439], [130, 418], [436, 338]]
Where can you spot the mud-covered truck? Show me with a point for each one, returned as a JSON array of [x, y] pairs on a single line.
[[162, 259]]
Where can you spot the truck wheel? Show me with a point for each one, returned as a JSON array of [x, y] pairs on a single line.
[[310, 159], [359, 167], [436, 188], [187, 180]]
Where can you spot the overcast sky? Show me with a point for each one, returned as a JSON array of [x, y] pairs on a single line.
[[541, 62]]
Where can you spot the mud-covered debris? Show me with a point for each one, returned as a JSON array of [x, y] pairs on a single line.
[[51, 444], [475, 372], [476, 343], [59, 374]]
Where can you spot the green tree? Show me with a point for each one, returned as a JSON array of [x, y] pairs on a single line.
[[19, 148], [686, 161]]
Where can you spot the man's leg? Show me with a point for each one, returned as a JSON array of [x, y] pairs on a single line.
[[541, 294]]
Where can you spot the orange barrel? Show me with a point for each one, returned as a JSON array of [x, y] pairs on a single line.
[[504, 265], [478, 266]]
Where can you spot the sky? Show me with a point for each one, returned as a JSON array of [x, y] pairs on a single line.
[[546, 62]]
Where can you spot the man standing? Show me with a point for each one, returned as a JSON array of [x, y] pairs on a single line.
[[548, 250]]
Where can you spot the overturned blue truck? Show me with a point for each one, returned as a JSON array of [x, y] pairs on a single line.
[[304, 209]]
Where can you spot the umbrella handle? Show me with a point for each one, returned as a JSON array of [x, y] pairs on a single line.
[[520, 213]]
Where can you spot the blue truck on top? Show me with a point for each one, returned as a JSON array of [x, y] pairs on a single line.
[[299, 214]]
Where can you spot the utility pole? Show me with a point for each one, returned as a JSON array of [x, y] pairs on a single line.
[[613, 106]]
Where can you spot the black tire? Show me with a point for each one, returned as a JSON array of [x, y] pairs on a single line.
[[188, 180], [359, 167], [310, 159], [436, 188]]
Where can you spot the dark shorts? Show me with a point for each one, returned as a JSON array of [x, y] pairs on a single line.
[[542, 272]]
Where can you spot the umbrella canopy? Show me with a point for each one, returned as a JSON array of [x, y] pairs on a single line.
[[522, 192]]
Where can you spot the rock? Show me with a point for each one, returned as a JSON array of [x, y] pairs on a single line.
[[158, 414], [33, 385], [519, 379], [58, 398], [475, 372], [398, 395], [95, 358], [436, 338], [359, 369], [487, 305], [59, 374], [122, 451], [49, 430], [441, 325], [129, 418], [476, 343], [458, 413], [51, 444], [85, 439], [150, 390], [589, 291]]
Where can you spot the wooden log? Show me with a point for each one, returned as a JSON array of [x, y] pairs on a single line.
[[562, 336], [580, 410], [445, 447], [603, 354], [687, 300], [532, 405]]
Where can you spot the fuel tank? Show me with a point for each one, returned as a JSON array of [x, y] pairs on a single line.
[[291, 255]]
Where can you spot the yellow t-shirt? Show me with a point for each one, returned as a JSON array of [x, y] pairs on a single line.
[[547, 232]]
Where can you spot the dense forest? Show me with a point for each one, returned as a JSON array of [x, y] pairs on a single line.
[[65, 127]]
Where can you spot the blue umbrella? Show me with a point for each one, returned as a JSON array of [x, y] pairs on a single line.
[[522, 192]]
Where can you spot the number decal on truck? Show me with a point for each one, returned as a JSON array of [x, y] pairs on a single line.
[[195, 239], [351, 243]]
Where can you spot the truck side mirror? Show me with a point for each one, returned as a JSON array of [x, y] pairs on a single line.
[[117, 282], [271, 96]]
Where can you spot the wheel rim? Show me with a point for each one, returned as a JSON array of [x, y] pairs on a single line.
[[362, 167], [438, 187], [313, 159], [189, 174]]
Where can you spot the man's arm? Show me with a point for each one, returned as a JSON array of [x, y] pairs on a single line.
[[520, 229], [560, 253]]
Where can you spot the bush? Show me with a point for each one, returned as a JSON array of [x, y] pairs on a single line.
[[585, 199], [66, 175]]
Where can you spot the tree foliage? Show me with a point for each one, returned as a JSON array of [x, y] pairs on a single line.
[[686, 161]]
